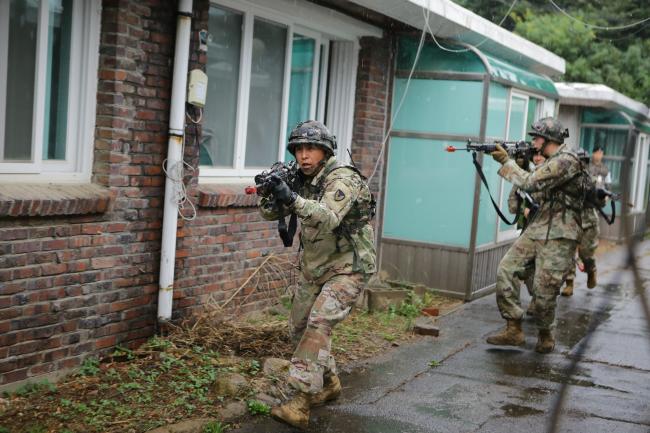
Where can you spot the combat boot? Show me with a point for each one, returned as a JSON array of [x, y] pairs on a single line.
[[331, 391], [591, 279], [295, 412], [513, 335], [568, 288], [545, 341]]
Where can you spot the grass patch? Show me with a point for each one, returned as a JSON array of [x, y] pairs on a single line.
[[172, 379]]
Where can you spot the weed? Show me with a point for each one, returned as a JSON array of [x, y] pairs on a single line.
[[434, 363], [254, 367], [4, 430], [33, 388], [123, 351], [256, 407], [90, 367], [157, 343], [215, 427]]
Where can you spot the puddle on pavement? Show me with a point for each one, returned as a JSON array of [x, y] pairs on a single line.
[[571, 326], [516, 411]]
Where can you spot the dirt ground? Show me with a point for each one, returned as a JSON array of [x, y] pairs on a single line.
[[202, 369]]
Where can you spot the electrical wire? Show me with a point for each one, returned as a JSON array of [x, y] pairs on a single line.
[[399, 105], [178, 171], [593, 26], [425, 12], [464, 50]]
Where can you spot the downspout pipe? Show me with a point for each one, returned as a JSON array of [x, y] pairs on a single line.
[[174, 160]]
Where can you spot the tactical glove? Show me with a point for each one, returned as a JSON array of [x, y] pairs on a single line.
[[500, 155], [282, 192]]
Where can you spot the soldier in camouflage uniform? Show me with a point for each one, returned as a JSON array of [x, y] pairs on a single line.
[[523, 207], [598, 170], [550, 239], [337, 258], [588, 241]]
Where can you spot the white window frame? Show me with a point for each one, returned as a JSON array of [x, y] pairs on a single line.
[[504, 235], [640, 171], [325, 26], [82, 96]]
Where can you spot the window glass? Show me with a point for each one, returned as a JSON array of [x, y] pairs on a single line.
[[302, 73], [516, 131], [532, 116], [58, 68], [266, 89], [220, 112], [426, 199], [496, 112], [21, 72], [439, 106]]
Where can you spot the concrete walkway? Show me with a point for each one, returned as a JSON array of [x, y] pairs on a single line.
[[475, 387]]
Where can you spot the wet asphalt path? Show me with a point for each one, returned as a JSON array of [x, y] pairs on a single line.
[[476, 387]]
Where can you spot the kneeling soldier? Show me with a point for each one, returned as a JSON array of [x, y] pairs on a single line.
[[337, 257]]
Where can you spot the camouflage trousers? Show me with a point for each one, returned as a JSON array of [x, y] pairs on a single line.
[[550, 261], [316, 309], [587, 245]]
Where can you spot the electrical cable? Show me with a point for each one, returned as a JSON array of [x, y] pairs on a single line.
[[399, 105], [593, 26], [425, 12], [464, 50], [177, 172]]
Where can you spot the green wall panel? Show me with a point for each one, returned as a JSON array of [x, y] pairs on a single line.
[[487, 216], [433, 59], [497, 110], [439, 106], [429, 192]]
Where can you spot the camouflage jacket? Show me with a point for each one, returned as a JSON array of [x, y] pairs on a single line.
[[589, 217], [560, 182], [515, 203], [335, 232], [600, 175]]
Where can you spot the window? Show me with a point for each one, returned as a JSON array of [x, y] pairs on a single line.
[[45, 120], [640, 188], [510, 114], [523, 111], [265, 74]]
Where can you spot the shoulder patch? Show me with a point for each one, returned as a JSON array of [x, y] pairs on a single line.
[[339, 195]]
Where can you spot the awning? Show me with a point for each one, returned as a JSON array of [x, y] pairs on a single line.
[[501, 70], [470, 61]]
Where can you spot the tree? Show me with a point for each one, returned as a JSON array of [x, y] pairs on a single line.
[[619, 59]]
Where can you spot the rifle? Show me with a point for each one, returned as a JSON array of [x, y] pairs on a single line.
[[264, 184], [516, 149]]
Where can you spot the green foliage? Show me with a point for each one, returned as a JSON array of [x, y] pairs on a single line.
[[434, 363], [90, 367], [409, 308], [4, 430], [35, 388], [215, 427], [256, 407], [616, 58]]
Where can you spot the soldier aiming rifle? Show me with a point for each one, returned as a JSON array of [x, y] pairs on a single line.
[[337, 257]]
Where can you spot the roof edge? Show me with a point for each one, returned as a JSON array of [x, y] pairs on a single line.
[[598, 95]]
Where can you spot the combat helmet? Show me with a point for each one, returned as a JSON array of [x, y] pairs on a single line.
[[549, 128], [312, 132]]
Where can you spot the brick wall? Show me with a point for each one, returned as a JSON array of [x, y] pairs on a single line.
[[372, 105], [73, 286]]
